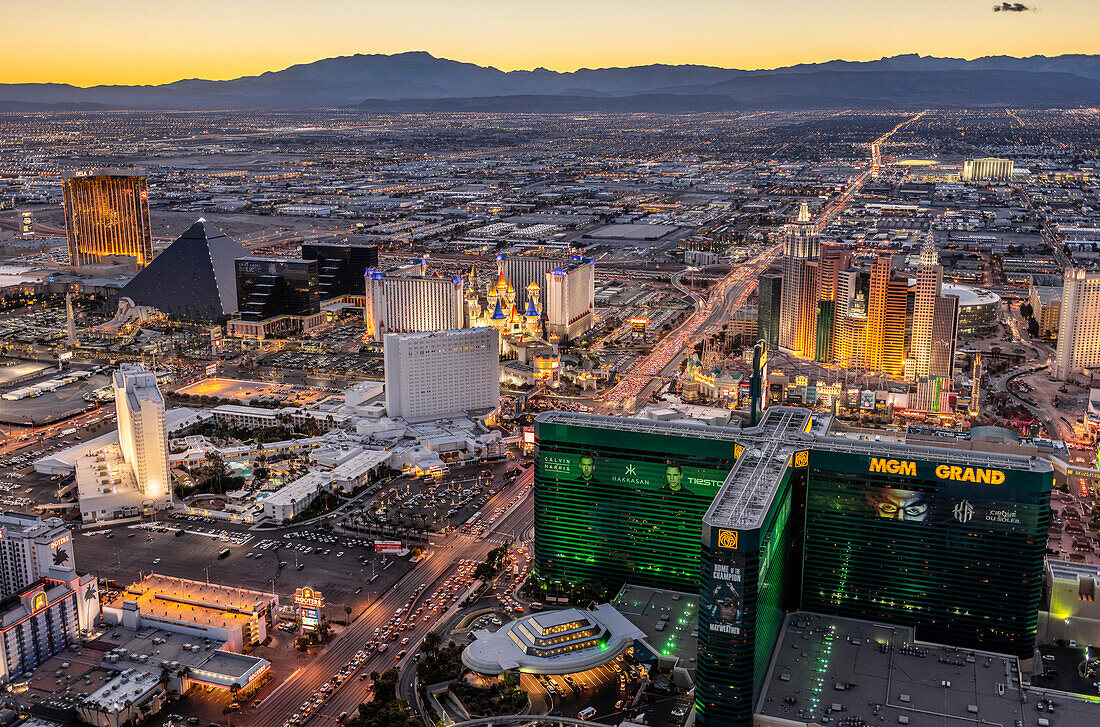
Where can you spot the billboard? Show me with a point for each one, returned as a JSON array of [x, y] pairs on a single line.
[[722, 598], [929, 543], [931, 493], [613, 506], [387, 546], [670, 474]]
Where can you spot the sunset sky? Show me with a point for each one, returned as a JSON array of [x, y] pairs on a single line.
[[90, 42]]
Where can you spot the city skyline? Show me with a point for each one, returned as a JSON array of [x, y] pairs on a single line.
[[129, 43]]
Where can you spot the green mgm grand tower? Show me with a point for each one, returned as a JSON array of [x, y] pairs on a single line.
[[785, 517]]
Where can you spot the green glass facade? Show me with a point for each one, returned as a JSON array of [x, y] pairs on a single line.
[[768, 293], [744, 592], [893, 540], [613, 507], [950, 542]]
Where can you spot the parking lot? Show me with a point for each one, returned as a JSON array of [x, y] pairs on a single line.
[[452, 501], [312, 558], [334, 363]]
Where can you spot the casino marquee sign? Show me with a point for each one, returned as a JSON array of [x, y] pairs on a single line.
[[309, 598], [945, 474]]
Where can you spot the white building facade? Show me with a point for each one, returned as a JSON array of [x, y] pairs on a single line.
[[433, 375], [29, 548], [411, 304], [142, 432], [129, 479], [570, 294], [1079, 324], [989, 169]]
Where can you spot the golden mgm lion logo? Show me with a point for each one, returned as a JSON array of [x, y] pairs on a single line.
[[802, 459], [727, 539]]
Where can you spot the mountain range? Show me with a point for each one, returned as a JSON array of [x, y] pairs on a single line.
[[418, 81]]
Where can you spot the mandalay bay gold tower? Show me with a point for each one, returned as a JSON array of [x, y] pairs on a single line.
[[106, 214]]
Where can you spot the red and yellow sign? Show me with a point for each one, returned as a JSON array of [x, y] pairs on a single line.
[[309, 597]]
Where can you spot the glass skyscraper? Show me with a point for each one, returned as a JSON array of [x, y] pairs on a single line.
[[617, 503], [107, 213], [768, 301]]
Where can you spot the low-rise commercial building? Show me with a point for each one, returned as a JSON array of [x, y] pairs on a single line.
[[553, 642], [296, 497], [233, 616]]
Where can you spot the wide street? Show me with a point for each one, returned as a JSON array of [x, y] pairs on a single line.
[[446, 552]]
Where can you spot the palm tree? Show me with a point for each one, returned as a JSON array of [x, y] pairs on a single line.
[[432, 640]]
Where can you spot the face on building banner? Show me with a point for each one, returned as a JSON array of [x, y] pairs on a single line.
[[917, 506], [721, 606], [666, 475]]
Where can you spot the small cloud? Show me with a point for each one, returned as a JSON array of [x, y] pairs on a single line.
[[1011, 8]]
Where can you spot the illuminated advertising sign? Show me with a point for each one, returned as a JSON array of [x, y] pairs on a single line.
[[928, 543], [309, 598], [921, 491], [727, 539], [893, 466], [956, 473], [529, 435], [668, 475], [722, 597], [851, 398], [867, 399], [970, 474], [387, 546], [617, 506], [39, 601], [211, 369]]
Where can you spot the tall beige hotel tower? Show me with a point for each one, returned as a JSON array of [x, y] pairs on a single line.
[[107, 213]]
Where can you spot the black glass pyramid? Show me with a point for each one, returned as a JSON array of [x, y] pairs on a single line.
[[194, 279]]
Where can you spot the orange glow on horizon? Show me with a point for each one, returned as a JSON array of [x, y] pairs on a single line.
[[138, 42]]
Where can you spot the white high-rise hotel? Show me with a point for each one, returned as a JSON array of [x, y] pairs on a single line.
[[409, 301], [142, 432], [1079, 324], [128, 479], [441, 373]]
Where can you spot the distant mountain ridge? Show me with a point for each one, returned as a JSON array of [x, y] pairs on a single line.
[[417, 81]]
